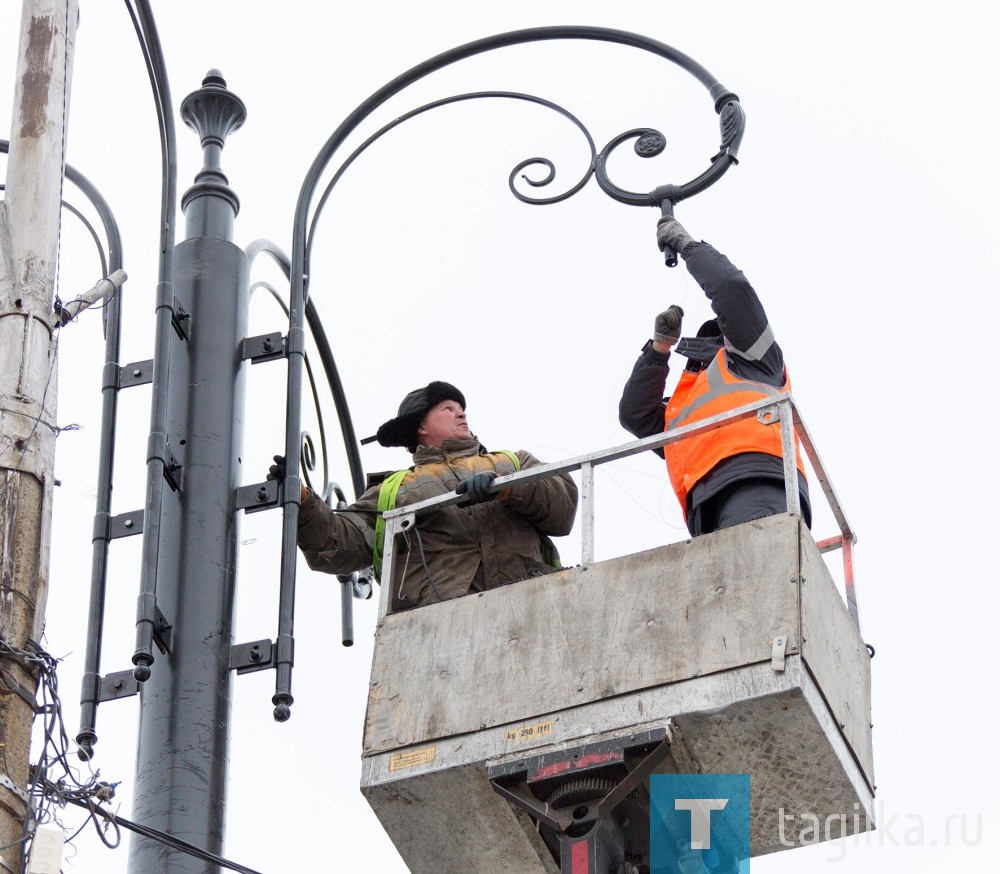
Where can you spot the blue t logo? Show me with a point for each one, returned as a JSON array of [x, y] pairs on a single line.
[[699, 822]]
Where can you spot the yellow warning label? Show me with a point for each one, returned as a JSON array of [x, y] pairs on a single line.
[[412, 758], [528, 732]]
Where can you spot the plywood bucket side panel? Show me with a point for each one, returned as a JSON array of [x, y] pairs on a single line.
[[585, 634]]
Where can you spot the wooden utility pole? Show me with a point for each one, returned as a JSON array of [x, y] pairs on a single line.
[[29, 237]]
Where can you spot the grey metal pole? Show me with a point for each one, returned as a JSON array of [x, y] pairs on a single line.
[[183, 751]]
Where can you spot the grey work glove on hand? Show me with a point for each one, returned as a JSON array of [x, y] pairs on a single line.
[[667, 328], [477, 487], [670, 232], [276, 471]]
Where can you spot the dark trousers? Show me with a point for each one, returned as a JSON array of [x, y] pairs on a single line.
[[742, 502]]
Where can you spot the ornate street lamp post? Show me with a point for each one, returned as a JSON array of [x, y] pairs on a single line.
[[193, 497]]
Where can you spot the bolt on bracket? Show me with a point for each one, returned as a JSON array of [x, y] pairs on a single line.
[[127, 524], [163, 632], [244, 658], [136, 373], [181, 320], [264, 347], [120, 684], [258, 496]]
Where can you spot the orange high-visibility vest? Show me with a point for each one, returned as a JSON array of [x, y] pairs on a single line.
[[702, 395]]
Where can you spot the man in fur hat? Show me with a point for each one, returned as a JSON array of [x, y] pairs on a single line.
[[493, 538], [735, 473]]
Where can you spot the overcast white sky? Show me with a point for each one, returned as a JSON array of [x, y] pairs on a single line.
[[863, 210]]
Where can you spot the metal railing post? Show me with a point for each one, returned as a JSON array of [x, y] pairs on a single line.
[[587, 510], [792, 500]]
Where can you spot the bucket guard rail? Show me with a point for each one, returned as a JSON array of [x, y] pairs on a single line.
[[782, 413]]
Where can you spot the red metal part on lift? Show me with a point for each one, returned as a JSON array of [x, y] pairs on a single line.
[[582, 763]]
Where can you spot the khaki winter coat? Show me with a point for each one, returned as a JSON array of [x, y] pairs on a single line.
[[465, 549]]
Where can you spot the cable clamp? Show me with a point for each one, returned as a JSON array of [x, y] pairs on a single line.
[[13, 787]]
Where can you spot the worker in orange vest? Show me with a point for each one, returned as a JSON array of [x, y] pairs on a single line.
[[735, 473]]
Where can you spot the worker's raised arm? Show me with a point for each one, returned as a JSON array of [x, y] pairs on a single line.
[[750, 343], [640, 410]]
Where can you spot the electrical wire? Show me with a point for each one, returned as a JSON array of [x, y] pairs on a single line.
[[73, 836], [54, 782], [163, 837], [423, 561]]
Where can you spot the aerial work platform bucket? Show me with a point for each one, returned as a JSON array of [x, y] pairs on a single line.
[[497, 719], [737, 643]]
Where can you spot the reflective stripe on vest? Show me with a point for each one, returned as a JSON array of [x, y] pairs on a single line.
[[700, 396]]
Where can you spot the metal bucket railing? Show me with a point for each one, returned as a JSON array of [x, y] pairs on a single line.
[[782, 413]]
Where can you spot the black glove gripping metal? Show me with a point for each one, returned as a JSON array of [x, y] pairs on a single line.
[[477, 487]]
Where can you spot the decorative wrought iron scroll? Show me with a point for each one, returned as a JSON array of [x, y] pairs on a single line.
[[648, 142]]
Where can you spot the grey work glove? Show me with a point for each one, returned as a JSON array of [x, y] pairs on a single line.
[[477, 487], [667, 328], [276, 471], [670, 232]]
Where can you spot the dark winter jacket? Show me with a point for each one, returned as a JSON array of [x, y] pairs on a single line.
[[454, 550]]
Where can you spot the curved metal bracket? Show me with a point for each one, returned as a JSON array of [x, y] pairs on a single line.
[[731, 116], [650, 142]]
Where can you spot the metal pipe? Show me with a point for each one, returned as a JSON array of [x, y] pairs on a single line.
[[90, 691], [145, 620], [295, 349], [851, 592], [347, 608], [89, 694], [809, 447], [351, 446]]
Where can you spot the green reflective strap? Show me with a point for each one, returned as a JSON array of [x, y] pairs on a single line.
[[386, 501], [512, 456], [549, 552]]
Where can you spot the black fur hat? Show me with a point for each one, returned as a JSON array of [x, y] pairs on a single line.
[[402, 430]]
